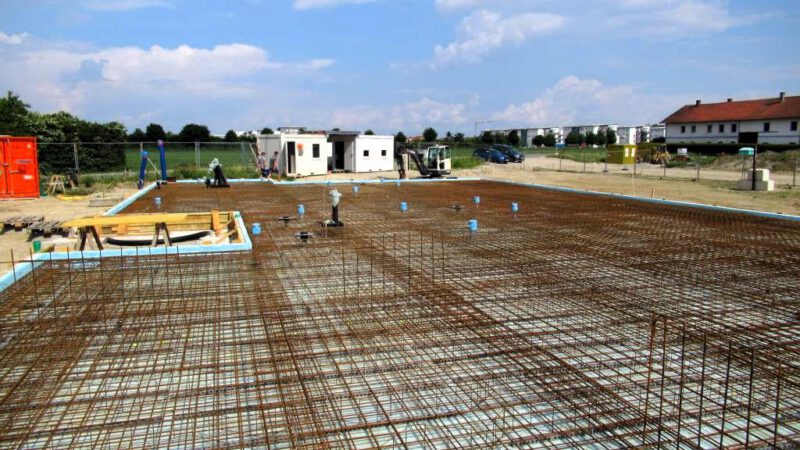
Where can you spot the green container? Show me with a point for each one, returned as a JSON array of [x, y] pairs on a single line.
[[37, 246]]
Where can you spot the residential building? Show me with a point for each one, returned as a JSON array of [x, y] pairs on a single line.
[[763, 121]]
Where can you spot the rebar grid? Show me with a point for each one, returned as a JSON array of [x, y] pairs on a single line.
[[579, 321]]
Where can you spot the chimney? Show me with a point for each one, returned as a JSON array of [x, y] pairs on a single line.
[[783, 96], [697, 103], [730, 99]]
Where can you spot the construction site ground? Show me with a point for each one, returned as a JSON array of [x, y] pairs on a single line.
[[578, 322]]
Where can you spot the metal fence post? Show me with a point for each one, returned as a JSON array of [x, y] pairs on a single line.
[[583, 157], [197, 155], [605, 162], [698, 170], [794, 174], [75, 153]]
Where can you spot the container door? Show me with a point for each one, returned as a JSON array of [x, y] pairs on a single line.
[[23, 175], [3, 169]]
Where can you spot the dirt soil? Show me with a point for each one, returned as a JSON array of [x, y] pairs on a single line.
[[52, 209]]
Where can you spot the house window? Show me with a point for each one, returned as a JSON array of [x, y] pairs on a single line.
[[708, 129], [733, 128], [793, 125], [721, 128], [766, 127], [694, 128], [383, 153], [683, 129], [366, 153], [315, 151]]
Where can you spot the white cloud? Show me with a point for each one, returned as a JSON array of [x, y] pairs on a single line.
[[12, 38], [675, 19], [457, 4], [312, 4], [125, 5], [484, 31], [52, 77], [411, 117], [573, 100]]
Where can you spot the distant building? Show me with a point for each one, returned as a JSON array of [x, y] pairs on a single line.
[[765, 121]]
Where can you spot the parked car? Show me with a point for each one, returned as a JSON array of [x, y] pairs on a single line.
[[512, 153], [491, 155]]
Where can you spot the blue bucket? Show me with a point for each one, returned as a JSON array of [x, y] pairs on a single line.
[[256, 229], [473, 225], [301, 210], [514, 207], [403, 206], [157, 202], [355, 188], [476, 199]]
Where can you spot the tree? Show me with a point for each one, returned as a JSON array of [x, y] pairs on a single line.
[[193, 132], [448, 136], [267, 131], [400, 137], [591, 138], [487, 137], [513, 138], [369, 132], [550, 140], [611, 136], [573, 138], [137, 136], [458, 137], [600, 139], [13, 114], [429, 135], [499, 138], [539, 140], [154, 132], [231, 136]]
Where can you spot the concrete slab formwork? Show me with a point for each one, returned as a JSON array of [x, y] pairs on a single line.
[[578, 322]]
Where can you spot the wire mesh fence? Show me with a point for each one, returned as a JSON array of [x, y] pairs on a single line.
[[191, 159], [183, 159]]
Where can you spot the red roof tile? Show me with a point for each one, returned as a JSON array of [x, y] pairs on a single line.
[[766, 108]]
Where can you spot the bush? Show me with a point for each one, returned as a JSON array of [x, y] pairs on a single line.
[[465, 163]]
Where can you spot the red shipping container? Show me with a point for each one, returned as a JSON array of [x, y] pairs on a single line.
[[19, 167]]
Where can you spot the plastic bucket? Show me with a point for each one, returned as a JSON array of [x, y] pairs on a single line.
[[301, 210], [514, 207], [355, 188], [37, 246], [473, 225], [403, 206], [256, 229], [476, 199]]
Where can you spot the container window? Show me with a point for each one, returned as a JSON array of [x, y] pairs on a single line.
[[793, 125], [722, 128], [708, 129], [683, 128], [383, 153], [694, 128], [733, 128], [315, 151], [766, 127], [366, 153]]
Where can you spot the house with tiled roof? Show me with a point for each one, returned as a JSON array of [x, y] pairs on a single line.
[[762, 121]]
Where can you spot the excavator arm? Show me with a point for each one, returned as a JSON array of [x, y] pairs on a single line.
[[401, 149]]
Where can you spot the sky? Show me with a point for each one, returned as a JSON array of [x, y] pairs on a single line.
[[393, 65]]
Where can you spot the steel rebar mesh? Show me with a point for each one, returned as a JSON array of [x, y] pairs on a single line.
[[578, 321]]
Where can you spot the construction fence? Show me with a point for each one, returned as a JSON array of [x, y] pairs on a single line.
[[183, 159]]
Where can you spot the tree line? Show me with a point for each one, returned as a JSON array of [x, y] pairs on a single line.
[[609, 137]]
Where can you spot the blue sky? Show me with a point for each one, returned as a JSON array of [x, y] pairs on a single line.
[[393, 65]]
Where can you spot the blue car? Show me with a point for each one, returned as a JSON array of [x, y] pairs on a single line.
[[491, 155], [512, 153]]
